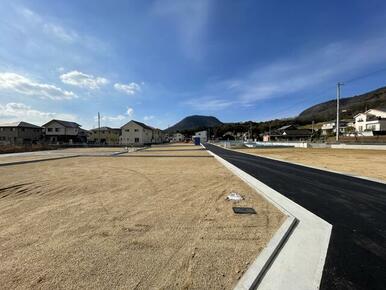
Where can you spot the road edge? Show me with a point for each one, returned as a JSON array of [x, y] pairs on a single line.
[[297, 262]]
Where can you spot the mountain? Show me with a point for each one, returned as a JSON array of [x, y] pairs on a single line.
[[195, 122], [349, 107]]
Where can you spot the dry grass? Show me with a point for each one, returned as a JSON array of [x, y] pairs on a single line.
[[370, 163], [128, 223]]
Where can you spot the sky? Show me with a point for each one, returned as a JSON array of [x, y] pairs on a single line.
[[160, 61]]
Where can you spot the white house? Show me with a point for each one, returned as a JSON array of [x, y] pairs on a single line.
[[373, 120], [136, 133], [178, 137], [328, 128], [62, 131], [203, 136], [158, 136]]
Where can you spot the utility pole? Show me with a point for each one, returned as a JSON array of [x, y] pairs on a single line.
[[337, 110], [99, 128]]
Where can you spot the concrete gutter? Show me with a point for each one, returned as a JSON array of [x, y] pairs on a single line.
[[36, 160], [255, 273], [295, 257]]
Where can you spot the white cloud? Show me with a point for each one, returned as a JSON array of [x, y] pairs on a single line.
[[60, 33], [111, 118], [209, 104], [79, 79], [22, 85], [12, 112], [116, 120], [148, 118], [129, 89], [49, 28], [130, 112]]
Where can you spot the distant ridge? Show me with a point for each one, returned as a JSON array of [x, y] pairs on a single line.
[[349, 107], [195, 122]]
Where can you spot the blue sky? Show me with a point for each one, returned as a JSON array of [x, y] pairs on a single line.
[[159, 61]]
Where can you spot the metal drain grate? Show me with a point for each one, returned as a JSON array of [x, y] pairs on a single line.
[[244, 210]]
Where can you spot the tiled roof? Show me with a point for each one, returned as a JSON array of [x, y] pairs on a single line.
[[66, 124], [20, 124]]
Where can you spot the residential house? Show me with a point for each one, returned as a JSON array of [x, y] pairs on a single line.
[[59, 131], [372, 122], [136, 133], [329, 128], [288, 133], [158, 136], [178, 137], [203, 135], [105, 135], [20, 133], [229, 135]]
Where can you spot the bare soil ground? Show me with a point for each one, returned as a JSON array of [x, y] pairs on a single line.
[[127, 223], [92, 149], [369, 163], [43, 155], [173, 150]]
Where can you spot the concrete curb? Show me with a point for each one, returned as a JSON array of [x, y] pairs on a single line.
[[297, 265], [256, 271], [153, 155], [36, 160], [313, 167]]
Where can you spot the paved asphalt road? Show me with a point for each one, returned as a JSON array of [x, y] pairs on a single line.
[[356, 208]]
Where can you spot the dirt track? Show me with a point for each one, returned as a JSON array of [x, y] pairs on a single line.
[[132, 223]]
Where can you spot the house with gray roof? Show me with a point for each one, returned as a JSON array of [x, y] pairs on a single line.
[[136, 133], [20, 133], [104, 135], [59, 131]]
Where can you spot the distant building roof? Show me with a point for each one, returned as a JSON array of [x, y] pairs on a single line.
[[286, 127], [293, 133], [381, 109], [105, 129], [143, 125], [66, 124], [20, 124]]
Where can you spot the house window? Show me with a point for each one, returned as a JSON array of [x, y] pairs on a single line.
[[135, 130], [127, 130], [56, 129], [49, 129], [136, 140], [360, 128], [371, 127]]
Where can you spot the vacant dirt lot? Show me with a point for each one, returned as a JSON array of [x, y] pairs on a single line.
[[92, 150], [173, 150], [370, 163], [128, 223]]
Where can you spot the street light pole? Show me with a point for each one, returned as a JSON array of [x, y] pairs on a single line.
[[337, 110]]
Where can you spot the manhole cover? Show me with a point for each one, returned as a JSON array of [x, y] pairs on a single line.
[[244, 210]]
